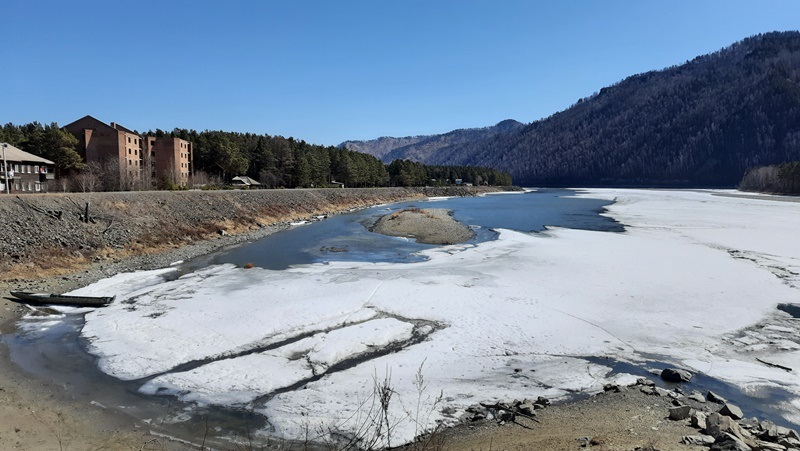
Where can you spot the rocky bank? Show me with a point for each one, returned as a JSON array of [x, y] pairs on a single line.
[[66, 234]]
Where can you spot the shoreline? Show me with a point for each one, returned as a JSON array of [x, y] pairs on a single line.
[[98, 425], [40, 414]]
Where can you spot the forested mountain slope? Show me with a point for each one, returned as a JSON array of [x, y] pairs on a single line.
[[422, 148], [704, 122]]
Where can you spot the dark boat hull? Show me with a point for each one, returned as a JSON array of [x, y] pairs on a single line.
[[60, 299]]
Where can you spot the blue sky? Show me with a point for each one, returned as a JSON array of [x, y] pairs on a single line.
[[326, 71]]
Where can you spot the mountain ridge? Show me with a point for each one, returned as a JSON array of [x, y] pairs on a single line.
[[704, 122]]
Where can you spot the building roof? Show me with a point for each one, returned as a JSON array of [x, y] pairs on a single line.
[[98, 123], [14, 154]]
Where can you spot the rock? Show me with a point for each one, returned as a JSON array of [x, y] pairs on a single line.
[[718, 425], [729, 442], [697, 396], [697, 440], [614, 388], [661, 392], [699, 420], [542, 400], [730, 410], [713, 397], [645, 381], [676, 375], [506, 416], [527, 409], [789, 442], [769, 446], [647, 390], [680, 413]]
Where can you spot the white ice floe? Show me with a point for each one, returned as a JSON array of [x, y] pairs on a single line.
[[512, 317], [233, 381]]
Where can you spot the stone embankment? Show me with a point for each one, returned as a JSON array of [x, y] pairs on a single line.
[[57, 234]]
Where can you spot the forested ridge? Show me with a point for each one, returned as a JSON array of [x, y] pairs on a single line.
[[702, 123], [420, 148], [274, 161]]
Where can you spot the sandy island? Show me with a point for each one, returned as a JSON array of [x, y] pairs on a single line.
[[427, 226]]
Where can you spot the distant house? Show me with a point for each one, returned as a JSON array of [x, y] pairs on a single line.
[[23, 172], [244, 181]]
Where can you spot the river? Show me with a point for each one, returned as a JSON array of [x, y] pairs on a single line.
[[326, 307]]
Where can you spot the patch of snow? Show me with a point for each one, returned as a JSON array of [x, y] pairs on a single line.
[[691, 271]]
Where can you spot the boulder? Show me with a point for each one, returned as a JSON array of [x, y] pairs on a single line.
[[730, 410], [718, 425], [697, 440], [789, 442], [661, 391], [680, 413], [676, 375], [648, 390], [645, 381], [506, 416], [713, 397], [697, 396], [699, 420], [769, 446], [729, 442]]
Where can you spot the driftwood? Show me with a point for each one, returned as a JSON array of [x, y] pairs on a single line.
[[774, 365], [55, 214]]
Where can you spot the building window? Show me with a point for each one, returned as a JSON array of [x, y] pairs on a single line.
[[129, 162], [129, 139], [37, 187], [36, 169]]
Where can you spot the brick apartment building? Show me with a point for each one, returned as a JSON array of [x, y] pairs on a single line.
[[166, 159]]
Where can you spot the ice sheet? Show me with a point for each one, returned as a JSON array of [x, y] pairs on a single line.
[[690, 273]]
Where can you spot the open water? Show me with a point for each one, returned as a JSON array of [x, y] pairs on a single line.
[[347, 238], [58, 354]]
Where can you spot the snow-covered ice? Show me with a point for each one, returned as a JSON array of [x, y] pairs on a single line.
[[695, 278]]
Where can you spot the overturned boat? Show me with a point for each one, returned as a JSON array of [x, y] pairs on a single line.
[[60, 299]]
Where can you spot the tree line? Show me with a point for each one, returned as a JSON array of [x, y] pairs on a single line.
[[274, 161], [779, 179]]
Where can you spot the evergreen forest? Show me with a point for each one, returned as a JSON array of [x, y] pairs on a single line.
[[274, 161]]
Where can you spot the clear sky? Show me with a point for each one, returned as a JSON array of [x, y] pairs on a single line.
[[326, 71]]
